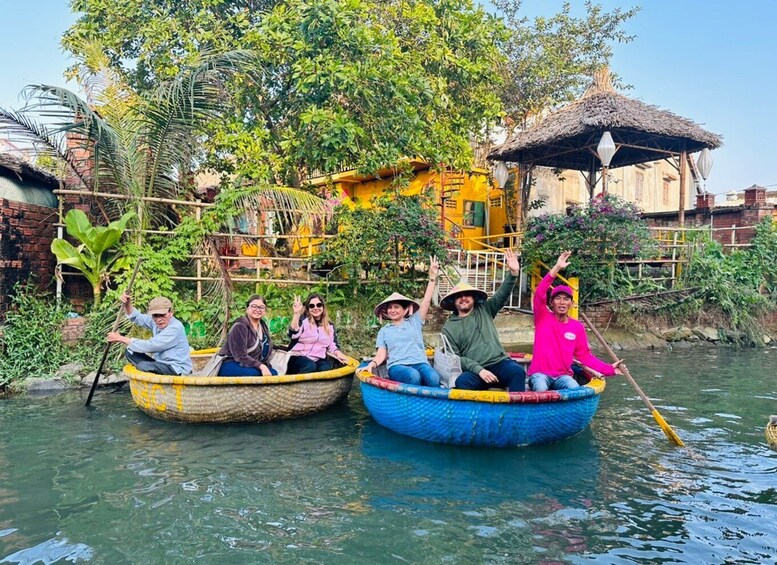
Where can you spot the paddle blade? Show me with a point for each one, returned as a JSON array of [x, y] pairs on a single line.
[[670, 433]]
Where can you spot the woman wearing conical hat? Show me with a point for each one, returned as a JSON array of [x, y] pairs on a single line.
[[400, 342]]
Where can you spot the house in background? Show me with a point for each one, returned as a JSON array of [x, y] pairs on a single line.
[[469, 204], [28, 218]]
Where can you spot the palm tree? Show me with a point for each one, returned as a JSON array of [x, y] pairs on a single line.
[[139, 146]]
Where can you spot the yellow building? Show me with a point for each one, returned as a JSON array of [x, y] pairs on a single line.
[[469, 205]]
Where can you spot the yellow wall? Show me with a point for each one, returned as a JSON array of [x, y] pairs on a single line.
[[471, 191]]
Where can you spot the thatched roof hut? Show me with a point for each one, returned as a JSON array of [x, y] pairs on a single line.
[[567, 138]]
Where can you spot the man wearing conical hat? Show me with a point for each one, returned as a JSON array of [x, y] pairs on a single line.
[[472, 333]]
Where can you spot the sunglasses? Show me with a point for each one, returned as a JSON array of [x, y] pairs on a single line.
[[316, 305], [159, 315]]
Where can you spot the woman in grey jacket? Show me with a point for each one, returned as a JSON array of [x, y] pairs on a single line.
[[249, 346]]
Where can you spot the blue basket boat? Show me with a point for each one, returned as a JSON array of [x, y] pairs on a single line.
[[480, 418]]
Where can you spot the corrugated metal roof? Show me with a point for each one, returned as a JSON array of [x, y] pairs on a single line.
[[29, 193]]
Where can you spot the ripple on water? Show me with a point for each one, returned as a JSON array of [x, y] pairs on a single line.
[[338, 488]]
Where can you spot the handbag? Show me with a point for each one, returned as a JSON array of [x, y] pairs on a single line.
[[279, 359], [211, 368], [447, 363]]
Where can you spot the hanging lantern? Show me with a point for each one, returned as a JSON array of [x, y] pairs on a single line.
[[606, 149], [704, 163], [501, 174]]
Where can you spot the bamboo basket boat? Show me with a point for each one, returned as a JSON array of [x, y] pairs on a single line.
[[197, 399], [480, 418]]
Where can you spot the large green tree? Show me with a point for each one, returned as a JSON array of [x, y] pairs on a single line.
[[357, 83], [550, 59]]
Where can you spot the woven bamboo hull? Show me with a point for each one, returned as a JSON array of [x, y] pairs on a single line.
[[238, 399], [487, 418]]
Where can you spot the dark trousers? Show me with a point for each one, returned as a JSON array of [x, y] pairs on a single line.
[[234, 369], [299, 365], [510, 374], [147, 364]]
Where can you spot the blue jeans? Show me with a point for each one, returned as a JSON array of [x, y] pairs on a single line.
[[234, 369], [300, 365], [417, 374], [510, 374], [148, 364], [540, 382]]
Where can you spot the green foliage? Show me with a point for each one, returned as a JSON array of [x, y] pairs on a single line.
[[551, 59], [597, 233], [357, 82], [31, 343], [386, 240], [739, 286], [98, 255]]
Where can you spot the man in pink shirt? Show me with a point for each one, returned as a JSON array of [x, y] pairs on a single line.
[[559, 339]]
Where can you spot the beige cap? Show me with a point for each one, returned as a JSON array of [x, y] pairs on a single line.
[[160, 305], [380, 309], [448, 301]]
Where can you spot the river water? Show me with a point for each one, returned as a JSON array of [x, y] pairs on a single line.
[[111, 485]]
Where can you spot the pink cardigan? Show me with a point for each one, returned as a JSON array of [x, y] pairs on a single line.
[[312, 341], [557, 343]]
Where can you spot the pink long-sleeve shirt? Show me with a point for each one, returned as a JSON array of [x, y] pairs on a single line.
[[556, 343]]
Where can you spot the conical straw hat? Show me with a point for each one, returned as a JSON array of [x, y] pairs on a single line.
[[449, 300], [380, 309]]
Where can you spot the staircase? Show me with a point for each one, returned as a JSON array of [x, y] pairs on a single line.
[[484, 270]]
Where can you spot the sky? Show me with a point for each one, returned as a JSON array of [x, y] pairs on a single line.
[[711, 61]]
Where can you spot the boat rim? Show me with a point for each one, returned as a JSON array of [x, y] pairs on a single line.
[[134, 374], [593, 388]]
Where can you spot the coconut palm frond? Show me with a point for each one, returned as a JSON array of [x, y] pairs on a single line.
[[26, 130], [296, 206], [220, 291]]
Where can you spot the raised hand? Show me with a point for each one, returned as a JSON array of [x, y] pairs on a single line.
[[434, 268], [297, 307], [563, 260], [512, 262]]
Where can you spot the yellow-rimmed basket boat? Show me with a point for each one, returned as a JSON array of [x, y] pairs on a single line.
[[197, 399]]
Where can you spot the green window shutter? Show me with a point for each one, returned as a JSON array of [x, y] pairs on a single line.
[[480, 214]]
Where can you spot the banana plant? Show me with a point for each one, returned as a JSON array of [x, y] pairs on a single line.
[[97, 256]]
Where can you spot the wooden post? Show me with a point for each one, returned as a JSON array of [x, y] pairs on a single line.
[[681, 209], [198, 261]]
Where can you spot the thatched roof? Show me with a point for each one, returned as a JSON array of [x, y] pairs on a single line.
[[567, 138], [24, 169]]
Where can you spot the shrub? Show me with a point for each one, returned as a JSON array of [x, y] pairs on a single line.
[[598, 233], [32, 336]]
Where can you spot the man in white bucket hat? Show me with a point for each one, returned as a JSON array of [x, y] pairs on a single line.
[[472, 333]]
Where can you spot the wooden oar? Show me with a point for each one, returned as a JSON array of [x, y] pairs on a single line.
[[670, 433], [113, 329]]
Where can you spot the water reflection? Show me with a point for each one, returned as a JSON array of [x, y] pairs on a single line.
[[112, 485]]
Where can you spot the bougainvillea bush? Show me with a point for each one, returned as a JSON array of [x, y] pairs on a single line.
[[598, 233]]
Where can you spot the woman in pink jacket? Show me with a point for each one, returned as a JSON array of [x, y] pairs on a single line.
[[313, 337], [558, 339]]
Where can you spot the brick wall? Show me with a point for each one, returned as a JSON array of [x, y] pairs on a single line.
[[601, 316], [26, 231], [73, 330]]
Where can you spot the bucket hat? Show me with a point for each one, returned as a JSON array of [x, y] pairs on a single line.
[[448, 301], [159, 305]]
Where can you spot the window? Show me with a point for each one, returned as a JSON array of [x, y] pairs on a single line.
[[639, 186], [665, 196], [451, 204], [495, 202], [474, 214]]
